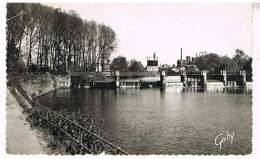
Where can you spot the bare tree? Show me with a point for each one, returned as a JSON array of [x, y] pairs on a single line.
[[56, 39]]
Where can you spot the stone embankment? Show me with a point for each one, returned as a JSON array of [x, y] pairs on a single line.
[[38, 85]]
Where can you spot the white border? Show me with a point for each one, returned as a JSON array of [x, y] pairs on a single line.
[[256, 77]]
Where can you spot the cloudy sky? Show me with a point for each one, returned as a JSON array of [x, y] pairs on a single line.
[[165, 28]]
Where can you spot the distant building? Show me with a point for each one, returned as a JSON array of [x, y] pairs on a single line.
[[187, 64], [202, 53], [106, 66], [188, 61], [165, 67], [152, 63]]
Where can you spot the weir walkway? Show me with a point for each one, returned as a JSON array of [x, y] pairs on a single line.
[[134, 79]]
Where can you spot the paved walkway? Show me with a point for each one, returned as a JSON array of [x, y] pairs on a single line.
[[20, 137]]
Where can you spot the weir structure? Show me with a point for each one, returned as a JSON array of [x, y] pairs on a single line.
[[197, 79], [202, 78]]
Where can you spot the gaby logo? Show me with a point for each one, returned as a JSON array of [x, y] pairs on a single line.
[[221, 139]]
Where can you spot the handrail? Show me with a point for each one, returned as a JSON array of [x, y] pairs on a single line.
[[68, 135], [107, 142], [76, 124]]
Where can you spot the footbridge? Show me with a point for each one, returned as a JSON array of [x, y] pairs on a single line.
[[114, 79]]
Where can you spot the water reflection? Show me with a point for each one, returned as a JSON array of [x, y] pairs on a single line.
[[228, 90], [212, 89]]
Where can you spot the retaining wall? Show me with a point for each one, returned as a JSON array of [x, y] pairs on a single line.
[[37, 85]]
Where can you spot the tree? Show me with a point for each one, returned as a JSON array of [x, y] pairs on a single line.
[[59, 40], [107, 43], [119, 63], [214, 62], [229, 64], [32, 30], [15, 32], [241, 58], [136, 66], [209, 62], [91, 40], [248, 64]]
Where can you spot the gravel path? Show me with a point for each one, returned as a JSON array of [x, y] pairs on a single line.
[[20, 137]]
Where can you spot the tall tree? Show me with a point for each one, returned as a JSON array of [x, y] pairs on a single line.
[[241, 58], [136, 66], [107, 43], [119, 63], [209, 62], [15, 31], [58, 40]]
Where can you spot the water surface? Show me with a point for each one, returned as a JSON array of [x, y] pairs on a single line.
[[171, 121]]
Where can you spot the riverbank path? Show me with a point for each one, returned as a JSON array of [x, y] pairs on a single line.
[[20, 137]]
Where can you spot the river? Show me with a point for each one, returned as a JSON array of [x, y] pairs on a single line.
[[171, 121]]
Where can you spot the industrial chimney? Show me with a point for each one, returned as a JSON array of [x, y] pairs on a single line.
[[181, 57]]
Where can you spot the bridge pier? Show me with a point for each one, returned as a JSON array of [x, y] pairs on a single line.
[[224, 77], [162, 78], [184, 78], [117, 75], [195, 82], [242, 78], [92, 85], [204, 78]]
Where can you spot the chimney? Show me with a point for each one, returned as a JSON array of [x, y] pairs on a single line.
[[154, 56], [181, 57]]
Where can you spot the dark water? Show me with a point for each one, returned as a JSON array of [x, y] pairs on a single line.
[[173, 121]]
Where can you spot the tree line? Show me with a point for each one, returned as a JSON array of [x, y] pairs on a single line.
[[40, 36], [214, 62], [211, 62], [120, 63]]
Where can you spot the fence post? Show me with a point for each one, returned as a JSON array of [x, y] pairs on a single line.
[[59, 123], [80, 140], [95, 148], [47, 116]]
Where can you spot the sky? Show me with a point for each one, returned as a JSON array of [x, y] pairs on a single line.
[[165, 28]]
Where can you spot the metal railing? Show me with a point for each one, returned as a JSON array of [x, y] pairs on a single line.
[[87, 140], [112, 74], [140, 74]]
